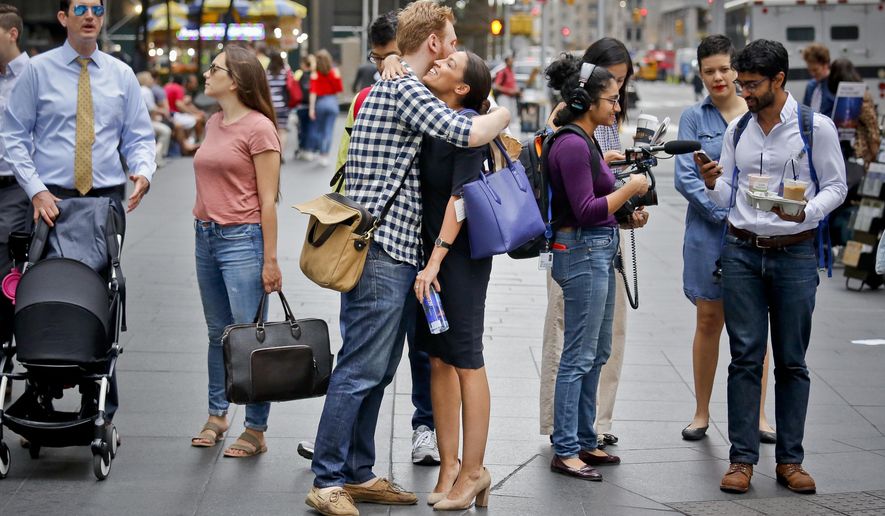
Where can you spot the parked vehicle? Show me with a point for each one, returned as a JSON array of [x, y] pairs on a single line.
[[851, 29]]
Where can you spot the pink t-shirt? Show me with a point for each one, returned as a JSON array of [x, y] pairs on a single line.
[[227, 189], [174, 93]]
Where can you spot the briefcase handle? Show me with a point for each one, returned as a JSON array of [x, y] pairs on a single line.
[[290, 318]]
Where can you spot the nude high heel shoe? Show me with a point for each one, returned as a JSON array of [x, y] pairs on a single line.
[[480, 494], [435, 498]]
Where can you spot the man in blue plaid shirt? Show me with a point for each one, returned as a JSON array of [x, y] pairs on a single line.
[[385, 141]]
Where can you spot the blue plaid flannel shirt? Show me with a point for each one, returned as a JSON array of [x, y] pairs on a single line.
[[608, 138], [384, 147]]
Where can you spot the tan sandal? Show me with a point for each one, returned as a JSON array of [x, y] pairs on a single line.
[[217, 434], [255, 449]]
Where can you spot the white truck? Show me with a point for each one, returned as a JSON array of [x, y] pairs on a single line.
[[853, 29]]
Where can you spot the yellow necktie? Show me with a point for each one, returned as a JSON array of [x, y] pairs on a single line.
[[85, 132]]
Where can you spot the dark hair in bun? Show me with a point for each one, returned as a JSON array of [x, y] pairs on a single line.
[[479, 78], [564, 75]]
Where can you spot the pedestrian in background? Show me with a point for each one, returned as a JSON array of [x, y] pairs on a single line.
[[612, 55], [817, 95], [769, 262], [277, 73], [237, 173], [706, 122], [507, 91], [459, 386], [584, 248], [72, 117], [162, 132], [305, 124], [14, 202], [325, 85]]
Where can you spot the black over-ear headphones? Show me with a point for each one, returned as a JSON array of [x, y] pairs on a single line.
[[579, 101]]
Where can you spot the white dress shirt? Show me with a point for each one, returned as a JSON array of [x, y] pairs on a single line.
[[43, 109], [775, 154], [14, 70]]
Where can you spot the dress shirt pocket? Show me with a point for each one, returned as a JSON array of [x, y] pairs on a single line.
[[107, 107]]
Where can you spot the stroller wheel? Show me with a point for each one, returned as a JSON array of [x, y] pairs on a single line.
[[4, 460], [34, 450], [101, 464], [113, 441]]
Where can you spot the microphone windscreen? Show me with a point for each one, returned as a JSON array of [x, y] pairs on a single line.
[[681, 146]]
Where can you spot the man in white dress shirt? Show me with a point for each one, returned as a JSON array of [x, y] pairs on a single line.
[[769, 261]]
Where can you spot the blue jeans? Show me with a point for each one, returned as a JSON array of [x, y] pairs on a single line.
[[586, 274], [305, 127], [375, 315], [419, 365], [229, 262], [320, 137], [762, 287]]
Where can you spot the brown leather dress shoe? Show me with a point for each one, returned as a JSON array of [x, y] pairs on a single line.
[[585, 473], [795, 478], [594, 460], [383, 491], [737, 478]]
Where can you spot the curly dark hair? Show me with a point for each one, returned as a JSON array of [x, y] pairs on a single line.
[[564, 75], [715, 45], [383, 29]]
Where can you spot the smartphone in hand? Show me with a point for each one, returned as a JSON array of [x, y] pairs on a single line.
[[702, 158]]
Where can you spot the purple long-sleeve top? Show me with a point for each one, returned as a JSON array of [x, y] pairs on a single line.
[[578, 201]]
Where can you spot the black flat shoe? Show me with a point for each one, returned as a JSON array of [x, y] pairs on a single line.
[[609, 439], [594, 460], [585, 473], [767, 437], [694, 434]]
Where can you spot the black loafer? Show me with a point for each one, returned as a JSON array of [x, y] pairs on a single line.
[[694, 434], [609, 439], [767, 437], [585, 473], [594, 460]]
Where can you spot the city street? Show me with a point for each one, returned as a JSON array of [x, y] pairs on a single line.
[[162, 378]]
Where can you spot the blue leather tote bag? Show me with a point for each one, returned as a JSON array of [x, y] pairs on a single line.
[[502, 213]]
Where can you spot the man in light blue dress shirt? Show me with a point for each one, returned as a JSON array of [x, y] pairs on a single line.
[[14, 202], [769, 262], [39, 126]]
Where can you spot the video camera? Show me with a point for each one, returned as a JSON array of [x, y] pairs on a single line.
[[640, 160]]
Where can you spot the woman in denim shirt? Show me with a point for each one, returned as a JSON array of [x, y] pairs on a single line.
[[704, 221]]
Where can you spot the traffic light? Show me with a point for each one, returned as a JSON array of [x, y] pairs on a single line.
[[497, 27], [566, 32], [643, 12]]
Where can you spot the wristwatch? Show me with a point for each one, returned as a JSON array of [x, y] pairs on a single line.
[[442, 243]]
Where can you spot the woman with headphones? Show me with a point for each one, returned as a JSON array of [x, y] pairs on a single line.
[[584, 203]]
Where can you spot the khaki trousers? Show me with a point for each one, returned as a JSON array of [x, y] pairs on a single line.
[[552, 349]]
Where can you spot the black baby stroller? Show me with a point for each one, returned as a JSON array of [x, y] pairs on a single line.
[[69, 311]]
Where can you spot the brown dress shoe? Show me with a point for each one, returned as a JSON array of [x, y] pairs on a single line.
[[383, 491], [594, 460], [737, 478], [795, 478], [585, 473]]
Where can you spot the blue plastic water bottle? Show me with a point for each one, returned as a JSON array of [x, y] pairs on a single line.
[[436, 317]]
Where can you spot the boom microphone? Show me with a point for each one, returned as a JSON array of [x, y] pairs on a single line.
[[671, 147]]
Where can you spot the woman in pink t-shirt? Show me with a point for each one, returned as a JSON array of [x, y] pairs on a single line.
[[237, 171]]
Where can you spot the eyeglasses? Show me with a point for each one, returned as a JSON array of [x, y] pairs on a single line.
[[97, 10], [375, 58], [614, 100], [214, 68], [749, 86]]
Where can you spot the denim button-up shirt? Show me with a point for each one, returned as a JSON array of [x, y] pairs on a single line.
[[704, 219]]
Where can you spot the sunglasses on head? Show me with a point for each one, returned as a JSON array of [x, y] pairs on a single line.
[[80, 10]]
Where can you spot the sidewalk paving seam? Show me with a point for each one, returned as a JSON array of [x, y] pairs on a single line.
[[232, 415], [510, 475], [848, 403]]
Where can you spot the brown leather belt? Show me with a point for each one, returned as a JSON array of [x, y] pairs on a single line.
[[771, 242]]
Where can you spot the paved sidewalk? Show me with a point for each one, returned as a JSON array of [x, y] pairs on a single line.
[[163, 382]]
